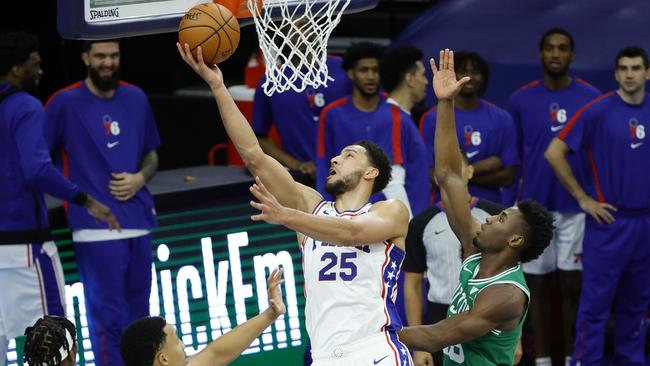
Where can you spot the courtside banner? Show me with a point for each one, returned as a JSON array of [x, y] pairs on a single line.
[[209, 275]]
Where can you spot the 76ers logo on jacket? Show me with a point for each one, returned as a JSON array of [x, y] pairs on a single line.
[[472, 138], [558, 117], [637, 133], [315, 99], [111, 128]]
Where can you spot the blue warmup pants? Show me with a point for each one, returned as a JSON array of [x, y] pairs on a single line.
[[116, 275], [616, 270]]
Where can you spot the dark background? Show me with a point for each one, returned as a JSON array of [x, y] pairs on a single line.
[[188, 126], [152, 62]]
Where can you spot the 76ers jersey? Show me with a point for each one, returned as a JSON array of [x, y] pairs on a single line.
[[350, 291]]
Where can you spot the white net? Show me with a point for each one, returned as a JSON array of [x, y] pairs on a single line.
[[293, 36]]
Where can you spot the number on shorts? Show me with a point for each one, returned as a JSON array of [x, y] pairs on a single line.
[[455, 353], [348, 268]]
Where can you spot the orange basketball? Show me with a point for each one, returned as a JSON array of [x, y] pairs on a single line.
[[214, 28]]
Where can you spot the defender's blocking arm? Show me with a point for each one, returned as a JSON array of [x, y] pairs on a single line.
[[448, 161], [496, 307], [229, 346]]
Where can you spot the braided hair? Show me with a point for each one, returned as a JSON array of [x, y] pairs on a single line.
[[49, 341]]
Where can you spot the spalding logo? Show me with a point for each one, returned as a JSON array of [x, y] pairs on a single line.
[[192, 16]]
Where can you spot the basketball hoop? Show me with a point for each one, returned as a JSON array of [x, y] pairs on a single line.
[[293, 36]]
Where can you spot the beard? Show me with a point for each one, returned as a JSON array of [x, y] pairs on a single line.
[[343, 185], [107, 83]]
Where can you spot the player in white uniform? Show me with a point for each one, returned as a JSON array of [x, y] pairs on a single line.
[[352, 250]]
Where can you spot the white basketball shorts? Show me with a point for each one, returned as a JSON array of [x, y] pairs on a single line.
[[381, 349], [565, 250]]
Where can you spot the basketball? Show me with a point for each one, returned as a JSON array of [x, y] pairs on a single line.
[[214, 28]]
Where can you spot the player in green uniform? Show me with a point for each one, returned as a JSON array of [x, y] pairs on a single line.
[[489, 305]]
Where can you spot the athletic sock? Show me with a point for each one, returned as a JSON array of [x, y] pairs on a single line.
[[543, 361]]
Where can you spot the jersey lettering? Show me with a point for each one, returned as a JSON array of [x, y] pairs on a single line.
[[455, 353]]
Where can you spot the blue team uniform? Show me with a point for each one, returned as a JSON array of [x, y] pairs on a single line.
[[540, 114], [342, 124], [27, 173], [616, 256], [295, 115], [484, 132], [100, 137]]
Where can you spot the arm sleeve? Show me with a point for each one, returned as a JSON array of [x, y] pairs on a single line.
[[509, 154], [262, 111], [35, 158], [416, 256]]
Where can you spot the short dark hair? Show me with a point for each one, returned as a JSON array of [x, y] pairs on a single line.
[[539, 229], [632, 51], [463, 57], [44, 339], [358, 51], [396, 63], [15, 48], [141, 340], [378, 159], [89, 43], [556, 30]]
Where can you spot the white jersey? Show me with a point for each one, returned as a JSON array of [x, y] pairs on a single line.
[[350, 291]]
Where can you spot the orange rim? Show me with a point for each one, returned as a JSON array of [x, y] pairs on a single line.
[[238, 7]]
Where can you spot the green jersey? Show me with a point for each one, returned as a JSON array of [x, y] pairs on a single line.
[[497, 347]]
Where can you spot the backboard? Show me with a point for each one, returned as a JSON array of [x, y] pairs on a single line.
[[101, 19]]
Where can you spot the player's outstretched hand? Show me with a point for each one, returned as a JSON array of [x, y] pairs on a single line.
[[275, 292], [598, 210], [212, 76], [271, 210], [444, 81], [102, 213]]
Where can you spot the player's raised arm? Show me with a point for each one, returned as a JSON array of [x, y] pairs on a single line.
[[448, 162], [276, 177], [386, 220]]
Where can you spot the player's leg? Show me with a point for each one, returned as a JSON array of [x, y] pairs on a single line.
[[633, 298], [102, 268], [138, 278], [603, 260], [30, 291], [47, 262], [539, 277], [569, 232]]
